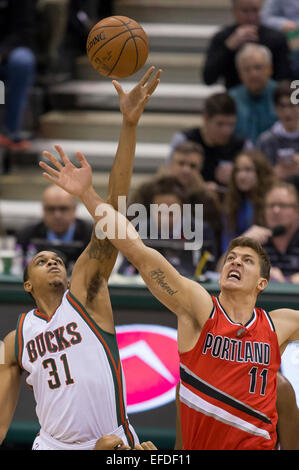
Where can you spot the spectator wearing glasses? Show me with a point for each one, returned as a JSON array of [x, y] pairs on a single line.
[[280, 236], [59, 227], [281, 143], [247, 27]]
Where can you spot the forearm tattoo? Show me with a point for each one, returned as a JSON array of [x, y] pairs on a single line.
[[159, 277], [104, 252], [100, 249]]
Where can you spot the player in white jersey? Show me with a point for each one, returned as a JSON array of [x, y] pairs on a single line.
[[67, 344]]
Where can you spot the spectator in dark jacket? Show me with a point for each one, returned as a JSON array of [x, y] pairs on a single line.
[[220, 61], [59, 229], [217, 138]]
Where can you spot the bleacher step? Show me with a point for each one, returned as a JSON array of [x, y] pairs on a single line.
[[168, 97], [100, 125], [100, 154], [21, 196], [179, 37], [174, 11], [184, 67]]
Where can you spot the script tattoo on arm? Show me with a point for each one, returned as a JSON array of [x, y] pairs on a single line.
[[159, 277], [100, 250]]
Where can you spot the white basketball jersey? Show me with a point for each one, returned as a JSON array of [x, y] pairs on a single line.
[[75, 372]]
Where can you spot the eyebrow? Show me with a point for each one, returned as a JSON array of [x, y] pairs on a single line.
[[245, 255], [45, 256]]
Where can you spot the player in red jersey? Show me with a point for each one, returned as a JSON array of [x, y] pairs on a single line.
[[229, 349], [288, 417]]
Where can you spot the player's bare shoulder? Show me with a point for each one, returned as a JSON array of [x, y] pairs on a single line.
[[286, 323], [200, 301], [8, 349]]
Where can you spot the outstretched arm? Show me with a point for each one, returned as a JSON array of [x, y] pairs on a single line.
[[99, 257], [10, 383], [132, 105], [181, 295]]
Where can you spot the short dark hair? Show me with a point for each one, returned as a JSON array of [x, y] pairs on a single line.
[[188, 146], [264, 259], [220, 103], [26, 273], [168, 185], [26, 278], [289, 187], [282, 90], [158, 186]]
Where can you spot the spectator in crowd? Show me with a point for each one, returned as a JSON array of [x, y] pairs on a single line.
[[281, 143], [220, 58], [243, 206], [58, 230], [254, 97], [17, 68], [185, 164], [52, 18], [165, 229], [281, 209], [216, 136], [284, 17], [63, 31], [83, 14], [280, 233]]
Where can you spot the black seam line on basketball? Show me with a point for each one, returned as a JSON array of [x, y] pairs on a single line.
[[104, 44], [122, 51], [108, 26], [115, 26], [216, 394], [121, 21], [119, 56], [137, 55]]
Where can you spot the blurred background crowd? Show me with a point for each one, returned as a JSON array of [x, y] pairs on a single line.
[[240, 161]]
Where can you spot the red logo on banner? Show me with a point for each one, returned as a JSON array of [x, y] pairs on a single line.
[[149, 355]]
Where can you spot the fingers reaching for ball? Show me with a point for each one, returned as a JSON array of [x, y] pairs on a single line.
[[132, 103]]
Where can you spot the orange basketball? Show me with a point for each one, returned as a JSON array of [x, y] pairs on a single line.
[[117, 46]]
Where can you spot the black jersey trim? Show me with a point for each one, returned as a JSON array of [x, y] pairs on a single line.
[[191, 379], [247, 324], [269, 320]]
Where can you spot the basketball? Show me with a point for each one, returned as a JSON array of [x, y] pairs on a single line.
[[117, 46]]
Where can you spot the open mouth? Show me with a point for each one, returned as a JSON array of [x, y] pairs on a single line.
[[234, 275]]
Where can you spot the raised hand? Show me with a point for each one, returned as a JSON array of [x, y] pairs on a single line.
[[72, 179], [133, 103]]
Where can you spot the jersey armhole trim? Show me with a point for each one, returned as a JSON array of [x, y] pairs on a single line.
[[213, 310], [109, 344], [269, 320]]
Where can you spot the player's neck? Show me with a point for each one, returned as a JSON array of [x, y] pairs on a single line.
[[48, 303], [237, 305]]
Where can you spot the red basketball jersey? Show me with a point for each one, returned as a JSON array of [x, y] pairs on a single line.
[[228, 384]]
